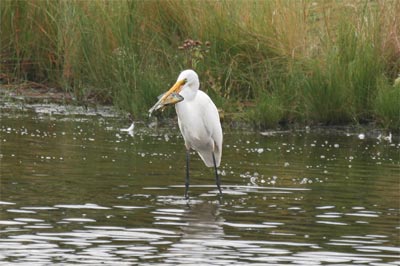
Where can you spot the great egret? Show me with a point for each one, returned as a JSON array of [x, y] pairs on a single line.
[[198, 121]]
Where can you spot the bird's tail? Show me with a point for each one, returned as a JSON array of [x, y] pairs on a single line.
[[207, 157]]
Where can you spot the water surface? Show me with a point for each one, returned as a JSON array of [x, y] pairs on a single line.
[[75, 189]]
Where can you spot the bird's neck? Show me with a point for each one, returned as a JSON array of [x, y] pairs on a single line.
[[188, 93]]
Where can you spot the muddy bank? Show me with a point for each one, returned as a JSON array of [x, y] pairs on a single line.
[[33, 92], [51, 101]]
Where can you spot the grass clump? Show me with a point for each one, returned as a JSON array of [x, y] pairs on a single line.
[[293, 61], [268, 112], [387, 104]]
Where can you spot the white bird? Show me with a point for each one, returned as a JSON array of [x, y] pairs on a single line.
[[198, 121]]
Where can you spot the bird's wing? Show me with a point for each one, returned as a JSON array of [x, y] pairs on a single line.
[[212, 123]]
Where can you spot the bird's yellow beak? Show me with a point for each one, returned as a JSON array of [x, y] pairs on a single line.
[[176, 88], [170, 97]]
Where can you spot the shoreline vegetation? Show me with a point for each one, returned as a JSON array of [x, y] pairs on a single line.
[[267, 63]]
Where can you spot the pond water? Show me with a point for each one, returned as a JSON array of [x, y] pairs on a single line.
[[75, 189]]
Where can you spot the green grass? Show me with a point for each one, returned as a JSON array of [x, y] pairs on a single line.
[[307, 62], [387, 104]]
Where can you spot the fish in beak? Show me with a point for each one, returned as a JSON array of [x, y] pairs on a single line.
[[170, 97]]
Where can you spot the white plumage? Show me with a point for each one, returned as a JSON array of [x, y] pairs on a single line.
[[198, 120]]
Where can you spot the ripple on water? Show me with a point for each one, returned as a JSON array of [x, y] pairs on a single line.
[[39, 208], [331, 223], [20, 211], [333, 257], [82, 206], [82, 220], [28, 220], [249, 226], [6, 203], [130, 207], [7, 222]]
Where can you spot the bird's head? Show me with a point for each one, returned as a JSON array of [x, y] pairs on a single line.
[[187, 79], [191, 78]]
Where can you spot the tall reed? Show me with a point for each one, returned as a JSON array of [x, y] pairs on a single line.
[[275, 61]]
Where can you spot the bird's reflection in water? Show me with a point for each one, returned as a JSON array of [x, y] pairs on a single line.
[[200, 237], [204, 221]]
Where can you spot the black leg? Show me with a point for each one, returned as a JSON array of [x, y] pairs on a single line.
[[187, 174], [217, 179]]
